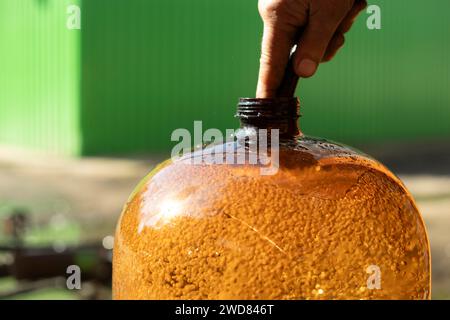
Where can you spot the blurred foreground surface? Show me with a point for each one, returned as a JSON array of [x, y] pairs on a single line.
[[79, 200]]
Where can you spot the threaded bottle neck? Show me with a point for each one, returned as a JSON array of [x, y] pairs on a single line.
[[270, 113]]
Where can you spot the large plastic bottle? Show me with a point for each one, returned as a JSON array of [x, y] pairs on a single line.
[[319, 221]]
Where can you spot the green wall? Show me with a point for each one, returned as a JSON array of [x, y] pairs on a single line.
[[388, 84], [153, 66], [39, 76], [139, 69]]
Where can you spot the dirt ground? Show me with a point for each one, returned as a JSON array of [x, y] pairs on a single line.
[[92, 191]]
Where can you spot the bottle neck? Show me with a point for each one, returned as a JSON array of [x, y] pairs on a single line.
[[271, 113]]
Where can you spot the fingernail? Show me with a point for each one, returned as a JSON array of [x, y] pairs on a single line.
[[307, 67]]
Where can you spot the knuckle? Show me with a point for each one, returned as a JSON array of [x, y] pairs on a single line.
[[265, 59], [270, 9]]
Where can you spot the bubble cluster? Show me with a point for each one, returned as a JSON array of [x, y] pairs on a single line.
[[308, 232]]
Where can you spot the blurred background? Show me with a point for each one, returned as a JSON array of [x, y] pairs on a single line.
[[85, 114]]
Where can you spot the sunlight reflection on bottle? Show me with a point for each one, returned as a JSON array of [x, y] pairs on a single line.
[[168, 209]]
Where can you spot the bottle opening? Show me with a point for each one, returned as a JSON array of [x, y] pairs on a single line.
[[270, 113]]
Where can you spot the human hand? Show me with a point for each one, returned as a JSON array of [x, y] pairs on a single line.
[[316, 26]]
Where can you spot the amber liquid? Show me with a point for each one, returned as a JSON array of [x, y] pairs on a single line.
[[309, 232]]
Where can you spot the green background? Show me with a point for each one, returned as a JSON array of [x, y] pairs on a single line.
[[138, 69]]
